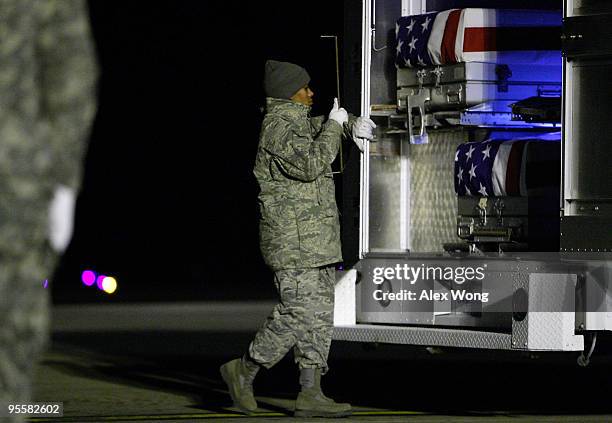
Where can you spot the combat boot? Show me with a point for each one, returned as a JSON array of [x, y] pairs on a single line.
[[239, 374], [311, 402]]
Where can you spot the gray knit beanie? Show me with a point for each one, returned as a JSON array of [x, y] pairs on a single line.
[[283, 79]]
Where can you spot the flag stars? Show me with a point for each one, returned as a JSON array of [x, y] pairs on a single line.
[[460, 175], [486, 153], [483, 190], [407, 63], [412, 44], [425, 24], [409, 27], [467, 191], [399, 47], [472, 172], [420, 61], [469, 153], [397, 28], [457, 155]]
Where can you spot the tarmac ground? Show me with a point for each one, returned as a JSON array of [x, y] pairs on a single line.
[[159, 363]]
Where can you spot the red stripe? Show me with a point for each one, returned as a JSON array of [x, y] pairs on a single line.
[[511, 38], [480, 39], [450, 37], [513, 171]]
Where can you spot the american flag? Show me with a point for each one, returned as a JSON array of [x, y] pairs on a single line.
[[474, 168], [479, 35], [412, 34], [516, 167], [500, 36]]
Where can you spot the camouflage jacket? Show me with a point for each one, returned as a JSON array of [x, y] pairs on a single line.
[[299, 225]]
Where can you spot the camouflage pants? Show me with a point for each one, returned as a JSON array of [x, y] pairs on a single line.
[[24, 313], [303, 319]]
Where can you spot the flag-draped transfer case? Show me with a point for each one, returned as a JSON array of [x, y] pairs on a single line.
[[482, 161]]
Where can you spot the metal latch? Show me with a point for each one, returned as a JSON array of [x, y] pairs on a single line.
[[482, 210], [438, 72], [503, 73], [421, 74], [454, 96], [499, 209]]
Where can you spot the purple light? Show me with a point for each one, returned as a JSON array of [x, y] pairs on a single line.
[[88, 277], [45, 283], [99, 282]]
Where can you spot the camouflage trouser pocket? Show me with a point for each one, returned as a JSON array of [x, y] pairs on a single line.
[[287, 287]]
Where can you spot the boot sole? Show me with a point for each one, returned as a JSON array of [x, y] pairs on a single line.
[[308, 413], [226, 377]]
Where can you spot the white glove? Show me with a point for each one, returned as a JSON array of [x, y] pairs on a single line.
[[338, 113], [61, 217], [363, 128]]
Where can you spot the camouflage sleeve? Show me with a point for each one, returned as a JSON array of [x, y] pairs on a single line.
[[67, 79], [298, 154], [316, 123]]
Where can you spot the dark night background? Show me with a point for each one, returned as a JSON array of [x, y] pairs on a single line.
[[168, 203]]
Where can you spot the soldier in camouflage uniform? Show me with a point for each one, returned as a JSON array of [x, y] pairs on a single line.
[[47, 77], [299, 235]]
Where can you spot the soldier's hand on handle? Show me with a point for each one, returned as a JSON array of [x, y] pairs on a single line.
[[363, 129], [338, 113]]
